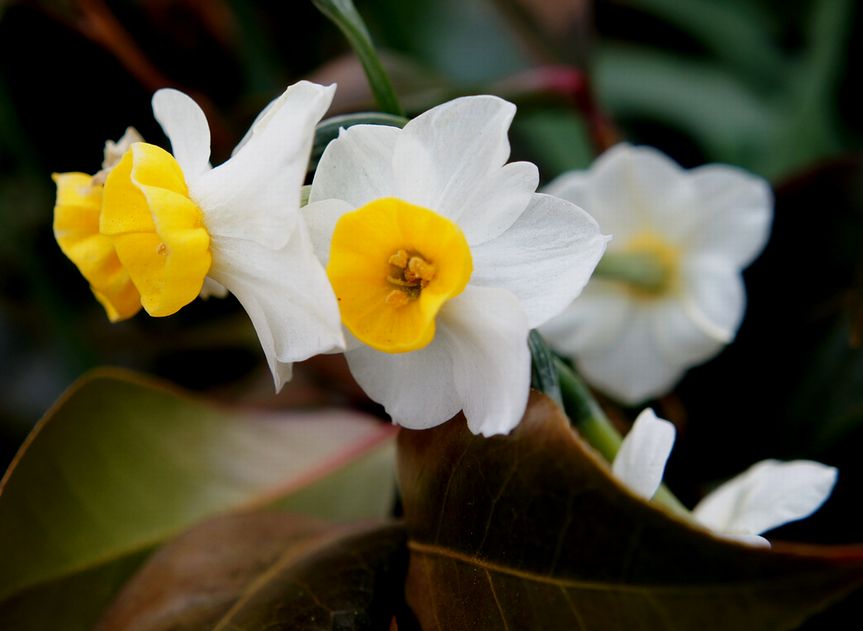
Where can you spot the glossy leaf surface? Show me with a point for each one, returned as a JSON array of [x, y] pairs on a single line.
[[121, 465], [266, 571], [529, 531]]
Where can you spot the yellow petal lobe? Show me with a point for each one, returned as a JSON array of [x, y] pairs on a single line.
[[393, 265], [158, 232], [76, 228]]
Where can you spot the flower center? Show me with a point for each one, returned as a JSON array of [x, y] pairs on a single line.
[[410, 274], [393, 266], [648, 266], [157, 230]]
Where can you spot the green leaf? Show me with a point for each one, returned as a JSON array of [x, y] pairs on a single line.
[[733, 32], [731, 122], [530, 531], [267, 571], [344, 15], [557, 139], [122, 464], [328, 130], [545, 377]]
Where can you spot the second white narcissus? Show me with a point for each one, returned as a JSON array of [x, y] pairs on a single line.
[[767, 495], [668, 294], [157, 230], [442, 258]]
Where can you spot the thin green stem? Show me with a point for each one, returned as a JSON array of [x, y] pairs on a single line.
[[344, 15], [585, 413]]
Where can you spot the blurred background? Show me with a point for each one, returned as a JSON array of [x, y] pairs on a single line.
[[737, 81]]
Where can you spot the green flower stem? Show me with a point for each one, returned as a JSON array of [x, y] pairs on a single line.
[[585, 413], [344, 15], [592, 423], [641, 269]]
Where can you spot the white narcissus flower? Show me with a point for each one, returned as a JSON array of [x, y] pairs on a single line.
[[157, 230], [668, 294], [767, 495], [443, 258]]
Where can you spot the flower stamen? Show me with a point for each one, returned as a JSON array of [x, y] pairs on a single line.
[[411, 274]]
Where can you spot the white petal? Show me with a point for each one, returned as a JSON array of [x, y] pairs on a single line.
[[416, 388], [644, 189], [576, 187], [592, 322], [767, 495], [485, 332], [357, 166], [736, 210], [682, 340], [631, 369], [713, 296], [185, 125], [497, 201], [448, 160], [756, 541], [321, 219], [211, 288], [256, 194], [286, 294], [545, 258], [640, 462]]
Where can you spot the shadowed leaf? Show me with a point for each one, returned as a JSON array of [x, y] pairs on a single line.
[[193, 581], [266, 570], [353, 580], [529, 531], [121, 465]]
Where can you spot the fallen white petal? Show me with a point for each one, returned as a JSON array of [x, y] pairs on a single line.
[[640, 461], [767, 495], [545, 258], [485, 333]]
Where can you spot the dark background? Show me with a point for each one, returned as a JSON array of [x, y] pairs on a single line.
[[743, 82]]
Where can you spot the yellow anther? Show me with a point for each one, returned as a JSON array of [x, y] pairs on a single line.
[[399, 259], [397, 298], [418, 269], [162, 249]]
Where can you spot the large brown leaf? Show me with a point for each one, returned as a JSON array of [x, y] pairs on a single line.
[[252, 571], [123, 463], [530, 531]]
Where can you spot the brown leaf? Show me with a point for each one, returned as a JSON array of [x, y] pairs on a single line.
[[530, 531], [251, 571], [194, 580]]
